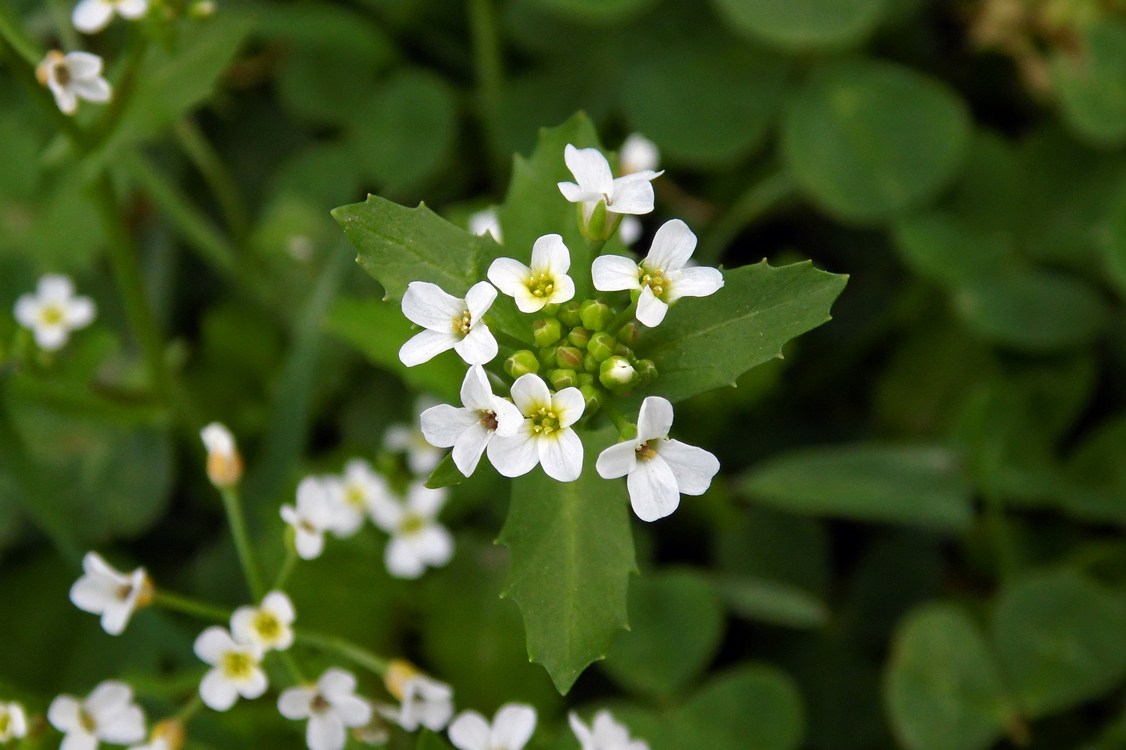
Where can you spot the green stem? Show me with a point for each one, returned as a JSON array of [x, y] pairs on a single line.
[[759, 199], [344, 648], [624, 425], [123, 91], [233, 506], [294, 669], [61, 13], [188, 606], [286, 568], [489, 71], [185, 714], [214, 170], [625, 316], [12, 33]]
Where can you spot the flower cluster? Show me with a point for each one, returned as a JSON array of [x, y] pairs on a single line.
[[588, 353]]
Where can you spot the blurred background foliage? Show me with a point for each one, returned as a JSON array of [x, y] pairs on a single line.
[[916, 539]]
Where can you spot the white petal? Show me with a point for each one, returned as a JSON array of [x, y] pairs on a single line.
[[442, 425], [694, 467], [632, 194], [470, 731], [478, 347], [434, 545], [309, 545], [672, 247], [428, 306], [108, 699], [550, 255], [91, 16], [513, 726], [509, 418], [125, 727], [528, 303], [402, 559], [83, 65], [116, 616], [280, 606], [426, 345], [79, 739], [212, 643], [638, 154], [92, 594], [325, 731], [469, 447], [514, 456], [27, 310], [336, 682], [476, 392], [654, 419], [582, 732], [576, 194], [564, 290], [51, 338], [650, 310], [617, 460], [568, 404], [217, 692], [695, 282], [386, 512], [629, 231], [590, 168], [132, 8], [254, 685], [561, 455], [296, 702], [64, 712], [510, 276], [479, 299], [353, 711], [652, 489], [242, 624], [529, 392], [218, 439], [93, 89], [79, 312], [424, 501], [612, 273]]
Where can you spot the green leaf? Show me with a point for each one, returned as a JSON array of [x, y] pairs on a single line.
[[445, 474], [943, 248], [1092, 83], [1097, 474], [597, 12], [803, 23], [668, 607], [918, 485], [942, 687], [749, 708], [709, 342], [572, 555], [774, 602], [868, 140], [1059, 638]]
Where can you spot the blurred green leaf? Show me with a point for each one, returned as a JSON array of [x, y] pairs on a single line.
[[1092, 83], [916, 485], [774, 602], [597, 12], [868, 140], [1097, 474], [944, 249], [572, 555], [709, 342], [445, 474], [803, 23], [427, 740], [748, 708]]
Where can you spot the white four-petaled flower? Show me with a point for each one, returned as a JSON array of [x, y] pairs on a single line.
[[629, 194], [73, 76], [662, 276], [53, 311], [485, 222], [103, 590], [354, 495], [91, 16], [544, 283], [107, 714], [659, 469], [13, 722], [604, 733], [235, 669], [417, 539], [422, 457], [311, 518], [268, 625], [511, 729], [638, 154], [423, 700], [450, 323], [545, 436], [331, 706], [470, 429]]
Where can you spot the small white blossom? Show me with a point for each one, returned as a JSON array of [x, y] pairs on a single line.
[[485, 222], [544, 283], [107, 714], [662, 276], [53, 311], [629, 194], [73, 76], [13, 722], [354, 495], [331, 706], [545, 437], [224, 463], [267, 626], [638, 154], [422, 457], [235, 669], [470, 429], [659, 469], [511, 729], [450, 323], [313, 516], [423, 700], [102, 590], [91, 16], [417, 539], [604, 733]]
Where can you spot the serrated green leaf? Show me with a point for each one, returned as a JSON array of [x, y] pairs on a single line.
[[572, 555], [445, 474], [923, 486], [707, 343], [803, 23], [942, 687], [1092, 83]]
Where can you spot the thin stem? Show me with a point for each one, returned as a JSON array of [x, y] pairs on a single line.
[[188, 606], [233, 506], [759, 199], [214, 170], [185, 714], [488, 69], [344, 648], [293, 668], [625, 316], [67, 34], [12, 33], [286, 568]]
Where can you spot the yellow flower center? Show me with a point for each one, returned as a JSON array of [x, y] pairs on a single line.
[[645, 452], [544, 421], [50, 315], [541, 284], [237, 665], [462, 323], [268, 627], [354, 496], [655, 279], [86, 721], [412, 523], [5, 723]]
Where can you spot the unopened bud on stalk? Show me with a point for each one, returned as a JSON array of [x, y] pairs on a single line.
[[562, 378], [630, 333], [569, 313], [547, 331], [224, 464], [616, 373], [593, 396], [602, 346], [579, 337], [522, 363], [596, 315], [591, 363], [569, 358]]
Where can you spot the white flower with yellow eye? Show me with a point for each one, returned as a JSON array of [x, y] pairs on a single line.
[[543, 283], [470, 429], [103, 590], [310, 518], [331, 706], [73, 76], [423, 701], [13, 722], [107, 714], [545, 437], [450, 323], [91, 16], [235, 669], [417, 539], [268, 626], [595, 183], [53, 311], [353, 495], [604, 733]]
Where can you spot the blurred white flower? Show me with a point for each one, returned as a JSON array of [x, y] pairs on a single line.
[[604, 733], [629, 194], [629, 231], [545, 437], [353, 496], [103, 590], [166, 735], [511, 729], [91, 16], [107, 714], [13, 722], [73, 76], [423, 701], [422, 457], [331, 706], [544, 283], [224, 463], [311, 518], [638, 154], [268, 625], [53, 311], [484, 222], [417, 539], [468, 430], [235, 669], [450, 323]]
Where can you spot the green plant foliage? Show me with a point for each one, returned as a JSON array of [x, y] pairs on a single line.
[[804, 23], [1092, 92], [597, 12]]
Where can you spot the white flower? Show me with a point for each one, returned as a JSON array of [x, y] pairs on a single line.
[[235, 669], [422, 457], [267, 626], [545, 437], [224, 463], [354, 495], [331, 706], [661, 276], [450, 323], [166, 735], [13, 722], [638, 154], [659, 469], [545, 283], [629, 194], [485, 222], [604, 733], [469, 430], [102, 590], [107, 714], [91, 16], [73, 76], [423, 701], [312, 517], [417, 540], [53, 311], [511, 729]]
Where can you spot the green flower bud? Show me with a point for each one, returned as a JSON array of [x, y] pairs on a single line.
[[602, 346], [616, 373], [593, 396], [562, 378], [596, 315], [547, 331], [569, 358], [579, 337], [628, 431], [591, 363], [585, 378], [569, 313], [601, 225], [623, 351], [630, 333], [522, 363], [547, 356], [646, 370]]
